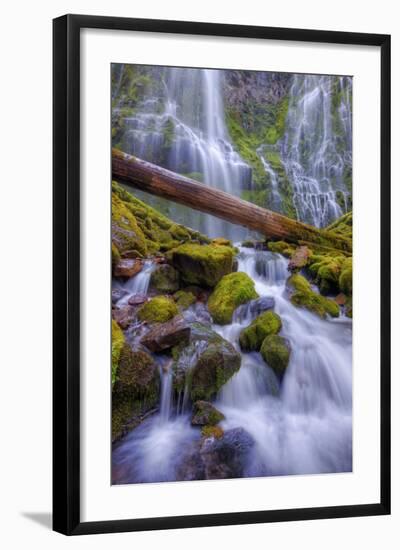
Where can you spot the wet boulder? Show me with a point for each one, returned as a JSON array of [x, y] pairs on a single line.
[[117, 294], [299, 258], [184, 299], [164, 336], [253, 308], [302, 295], [275, 351], [232, 291], [220, 456], [205, 365], [127, 268], [205, 414], [202, 265], [135, 391], [165, 279], [124, 316], [252, 337]]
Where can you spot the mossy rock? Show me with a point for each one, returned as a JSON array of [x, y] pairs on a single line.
[[159, 309], [326, 270], [232, 291], [205, 414], [214, 432], [115, 255], [276, 353], [127, 236], [304, 296], [202, 265], [135, 391], [117, 343], [346, 277], [184, 299], [252, 337], [204, 366], [281, 247], [221, 241], [165, 279]]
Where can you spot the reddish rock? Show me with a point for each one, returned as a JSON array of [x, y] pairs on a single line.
[[137, 299], [299, 258], [340, 299], [127, 267], [166, 335], [124, 316]]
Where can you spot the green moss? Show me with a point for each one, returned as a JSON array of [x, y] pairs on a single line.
[[184, 299], [117, 343], [115, 255], [305, 297], [325, 271], [252, 337], [127, 236], [232, 291], [343, 226], [165, 279], [158, 310], [281, 247], [202, 264], [135, 391], [215, 432], [276, 353], [346, 277], [205, 414]]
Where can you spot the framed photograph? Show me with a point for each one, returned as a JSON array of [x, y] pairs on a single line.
[[217, 359]]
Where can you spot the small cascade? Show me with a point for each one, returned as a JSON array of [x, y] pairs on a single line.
[[136, 285], [275, 202]]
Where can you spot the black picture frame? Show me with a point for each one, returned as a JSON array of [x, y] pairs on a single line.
[[66, 273]]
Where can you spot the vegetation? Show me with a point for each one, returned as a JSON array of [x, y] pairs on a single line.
[[158, 310], [253, 336]]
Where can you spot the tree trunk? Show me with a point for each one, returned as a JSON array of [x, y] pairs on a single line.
[[169, 185]]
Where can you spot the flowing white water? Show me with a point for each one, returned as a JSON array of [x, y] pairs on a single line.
[[184, 130], [137, 285], [317, 147], [300, 426]]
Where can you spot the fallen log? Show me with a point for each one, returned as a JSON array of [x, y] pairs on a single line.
[[169, 185]]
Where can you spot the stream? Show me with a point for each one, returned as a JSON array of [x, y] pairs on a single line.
[[300, 426]]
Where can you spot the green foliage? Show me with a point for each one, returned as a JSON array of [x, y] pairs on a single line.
[[325, 271], [276, 353], [304, 296], [232, 291], [252, 337], [127, 236], [158, 310]]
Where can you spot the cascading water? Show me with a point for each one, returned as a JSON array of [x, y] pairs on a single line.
[[300, 426], [183, 129], [317, 149]]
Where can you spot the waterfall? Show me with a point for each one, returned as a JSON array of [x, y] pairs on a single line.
[[136, 285], [184, 130], [316, 150]]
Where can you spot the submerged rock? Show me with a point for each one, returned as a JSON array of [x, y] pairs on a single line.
[[231, 292], [202, 265], [217, 456], [127, 268], [252, 337], [275, 351], [165, 279], [206, 364], [205, 414], [167, 335], [253, 308]]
